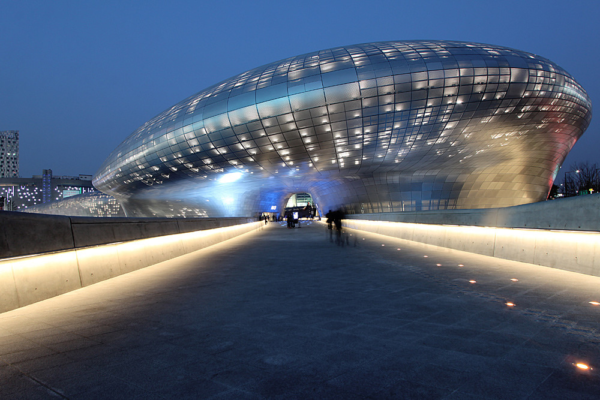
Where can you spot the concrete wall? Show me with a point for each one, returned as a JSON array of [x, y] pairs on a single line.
[[42, 256], [29, 279], [565, 234], [573, 213], [25, 234]]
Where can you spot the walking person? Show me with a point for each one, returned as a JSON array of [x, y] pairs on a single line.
[[329, 221], [337, 221]]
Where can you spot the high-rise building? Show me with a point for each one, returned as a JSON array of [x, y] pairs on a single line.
[[9, 154], [46, 185]]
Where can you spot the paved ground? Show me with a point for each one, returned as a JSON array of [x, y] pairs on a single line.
[[284, 313]]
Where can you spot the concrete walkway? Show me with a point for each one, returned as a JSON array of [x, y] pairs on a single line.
[[283, 313]]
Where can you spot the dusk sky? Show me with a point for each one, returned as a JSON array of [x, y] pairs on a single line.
[[77, 77]]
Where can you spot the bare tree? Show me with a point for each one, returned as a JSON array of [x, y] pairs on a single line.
[[581, 178]]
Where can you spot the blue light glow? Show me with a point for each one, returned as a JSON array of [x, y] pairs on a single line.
[[232, 177]]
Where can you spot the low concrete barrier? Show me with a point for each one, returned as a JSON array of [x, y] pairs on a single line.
[[501, 232], [23, 234], [580, 213], [87, 260]]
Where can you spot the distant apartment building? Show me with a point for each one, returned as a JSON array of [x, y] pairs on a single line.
[[9, 154], [21, 193]]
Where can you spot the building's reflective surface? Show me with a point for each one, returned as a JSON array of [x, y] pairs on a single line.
[[388, 126], [90, 204]]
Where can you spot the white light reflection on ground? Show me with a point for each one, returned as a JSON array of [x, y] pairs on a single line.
[[249, 313]]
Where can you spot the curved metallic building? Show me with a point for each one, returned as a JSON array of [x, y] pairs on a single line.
[[376, 127], [90, 204]]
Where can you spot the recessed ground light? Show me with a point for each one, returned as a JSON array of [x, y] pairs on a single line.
[[460, 265], [383, 244], [439, 265], [472, 281], [399, 248], [514, 280], [425, 256], [582, 366], [594, 303], [510, 304]]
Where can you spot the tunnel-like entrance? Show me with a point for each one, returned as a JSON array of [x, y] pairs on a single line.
[[302, 204]]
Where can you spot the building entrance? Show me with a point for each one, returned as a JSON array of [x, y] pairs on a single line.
[[302, 205]]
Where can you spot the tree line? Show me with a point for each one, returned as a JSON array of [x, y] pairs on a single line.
[[580, 178]]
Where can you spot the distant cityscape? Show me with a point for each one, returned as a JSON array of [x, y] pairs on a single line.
[[40, 193]]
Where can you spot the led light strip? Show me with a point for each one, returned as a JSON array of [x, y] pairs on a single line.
[[29, 279], [573, 251]]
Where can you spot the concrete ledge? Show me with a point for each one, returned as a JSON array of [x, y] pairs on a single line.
[[26, 280], [581, 213], [23, 234], [42, 277], [91, 233], [568, 250]]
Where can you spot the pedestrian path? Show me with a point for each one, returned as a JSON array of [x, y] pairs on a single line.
[[286, 313]]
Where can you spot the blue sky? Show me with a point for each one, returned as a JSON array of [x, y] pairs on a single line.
[[77, 77]]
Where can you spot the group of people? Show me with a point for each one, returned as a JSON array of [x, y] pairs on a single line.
[[289, 217], [291, 221], [334, 223], [267, 218]]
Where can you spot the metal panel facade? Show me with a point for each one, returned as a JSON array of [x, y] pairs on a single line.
[[376, 127]]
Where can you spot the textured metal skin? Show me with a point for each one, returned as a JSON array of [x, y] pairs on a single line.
[[377, 127], [90, 204]]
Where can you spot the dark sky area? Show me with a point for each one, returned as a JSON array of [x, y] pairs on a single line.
[[77, 77]]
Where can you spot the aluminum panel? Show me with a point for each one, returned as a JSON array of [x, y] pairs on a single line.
[[375, 127]]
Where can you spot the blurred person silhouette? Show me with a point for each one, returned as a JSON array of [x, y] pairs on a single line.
[[337, 221], [330, 217]]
